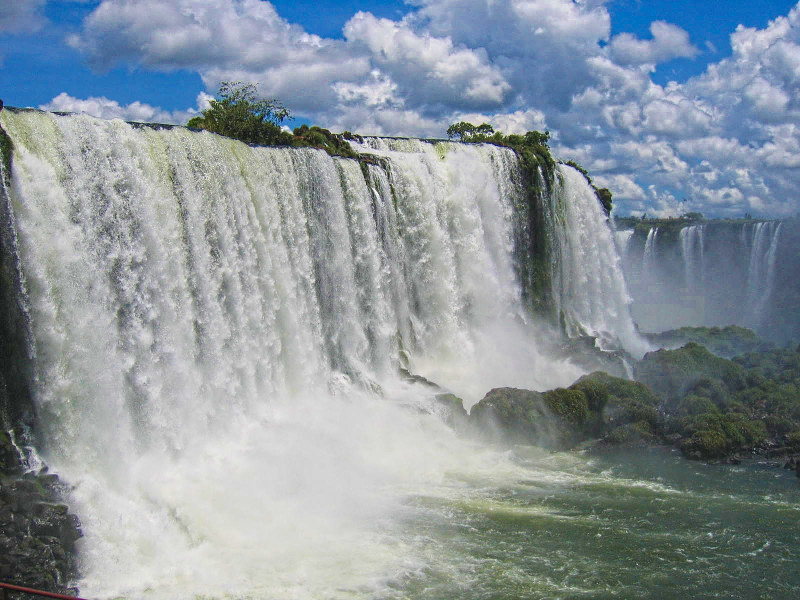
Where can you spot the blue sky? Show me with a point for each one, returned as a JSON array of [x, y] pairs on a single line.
[[674, 105]]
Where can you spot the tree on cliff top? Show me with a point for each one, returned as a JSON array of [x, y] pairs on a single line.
[[241, 114]]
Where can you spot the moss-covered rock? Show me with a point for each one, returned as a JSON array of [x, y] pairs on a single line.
[[569, 405], [673, 373], [616, 402], [452, 409], [554, 419], [631, 433], [726, 342]]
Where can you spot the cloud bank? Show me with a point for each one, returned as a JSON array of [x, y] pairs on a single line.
[[725, 142]]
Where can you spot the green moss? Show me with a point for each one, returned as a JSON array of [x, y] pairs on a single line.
[[707, 443], [712, 435], [569, 404], [7, 154], [619, 388], [793, 439], [693, 405], [672, 373], [630, 432], [596, 392], [726, 342]]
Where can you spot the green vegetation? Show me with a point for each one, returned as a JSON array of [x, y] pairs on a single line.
[[624, 410], [672, 373], [317, 137], [597, 405], [240, 113], [716, 407], [6, 153], [708, 406], [727, 341], [532, 147]]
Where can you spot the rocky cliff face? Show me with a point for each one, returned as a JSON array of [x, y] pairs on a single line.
[[37, 531]]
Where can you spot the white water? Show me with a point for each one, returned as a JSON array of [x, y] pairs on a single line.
[[761, 269], [216, 332], [692, 242], [717, 274], [590, 279]]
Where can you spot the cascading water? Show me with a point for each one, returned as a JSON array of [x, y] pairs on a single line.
[[761, 270], [592, 290], [714, 274], [216, 331], [693, 253]]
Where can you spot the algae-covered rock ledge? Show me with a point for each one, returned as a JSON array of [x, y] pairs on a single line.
[[709, 407]]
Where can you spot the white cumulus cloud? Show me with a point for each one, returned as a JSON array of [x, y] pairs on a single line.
[[726, 138]]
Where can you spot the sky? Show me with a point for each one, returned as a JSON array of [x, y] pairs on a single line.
[[675, 105]]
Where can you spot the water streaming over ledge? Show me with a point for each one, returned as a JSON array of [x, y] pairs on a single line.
[[216, 332], [714, 274]]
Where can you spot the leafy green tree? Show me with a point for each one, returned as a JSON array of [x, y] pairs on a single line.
[[240, 113], [462, 131]]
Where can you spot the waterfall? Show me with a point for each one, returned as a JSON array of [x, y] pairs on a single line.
[[692, 244], [761, 270], [593, 293], [715, 274], [215, 332], [649, 256], [622, 238]]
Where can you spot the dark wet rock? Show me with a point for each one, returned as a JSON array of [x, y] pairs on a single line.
[[37, 534], [413, 378], [453, 408], [37, 531], [584, 352]]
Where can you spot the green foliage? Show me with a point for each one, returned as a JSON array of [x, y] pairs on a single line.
[[616, 402], [726, 342], [317, 137], [570, 405], [630, 432], [714, 434], [707, 443], [692, 406], [605, 197], [595, 390], [793, 439], [241, 114], [619, 388], [532, 147], [672, 373]]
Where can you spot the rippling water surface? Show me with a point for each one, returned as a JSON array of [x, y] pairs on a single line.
[[636, 524]]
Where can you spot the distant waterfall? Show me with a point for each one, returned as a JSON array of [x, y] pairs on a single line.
[[649, 256], [716, 273], [761, 269], [693, 254]]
